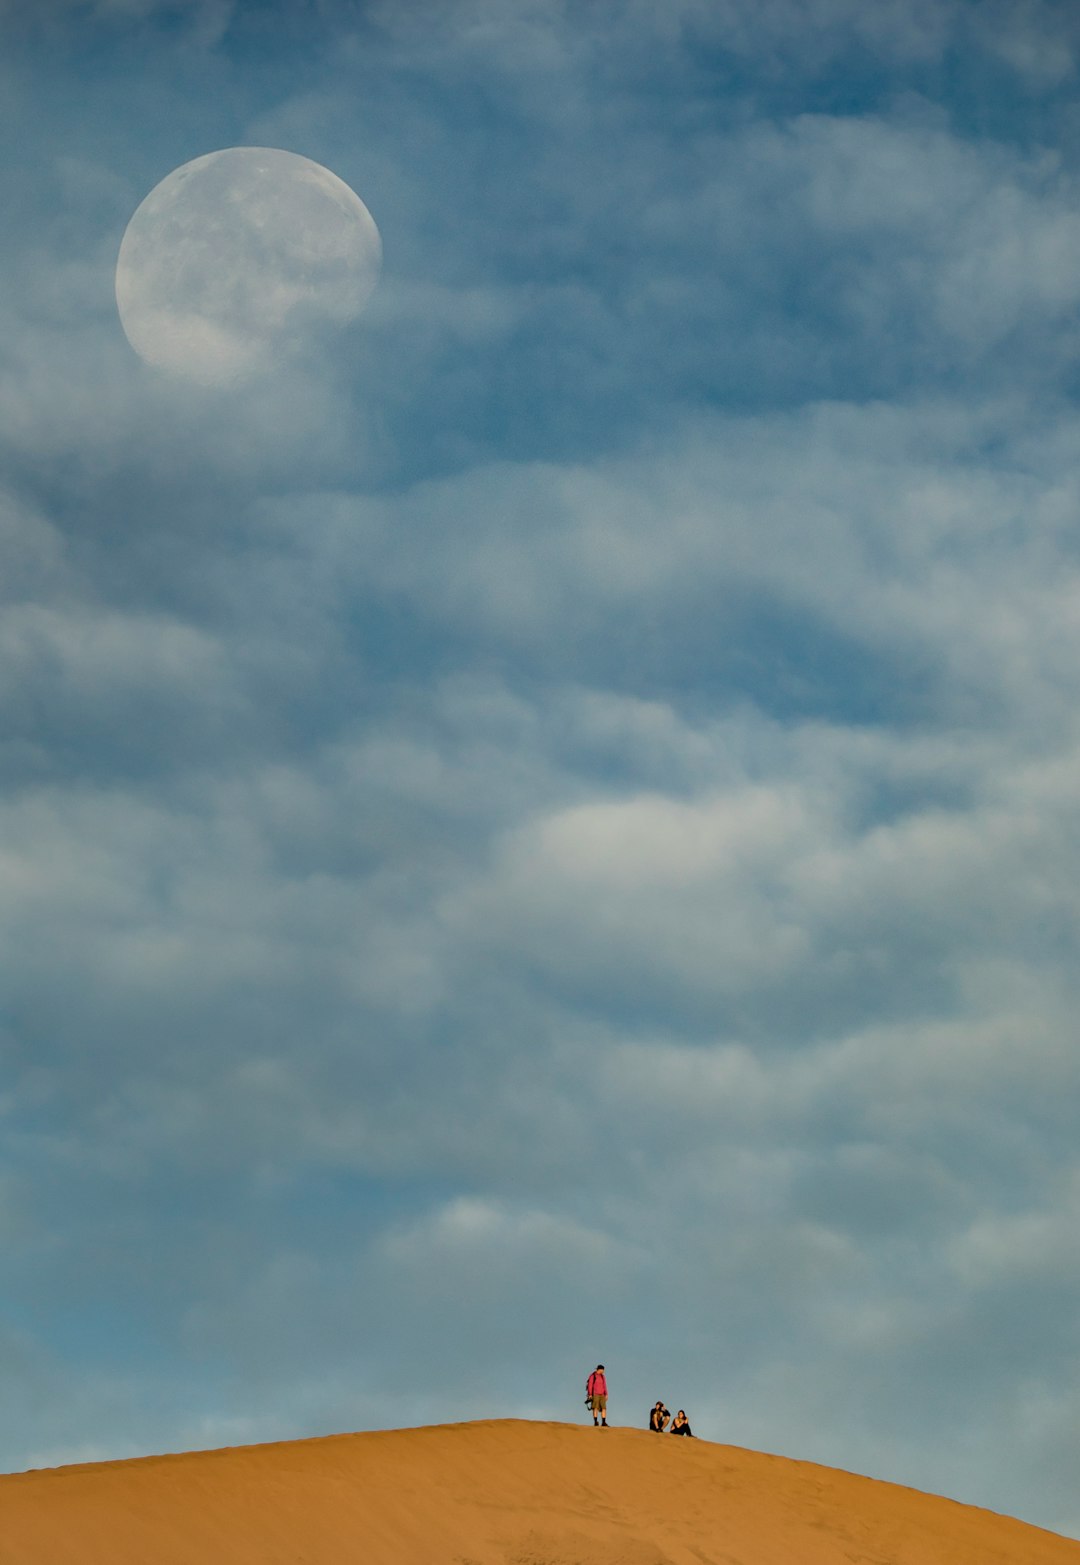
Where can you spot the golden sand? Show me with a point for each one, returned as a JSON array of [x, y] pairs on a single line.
[[496, 1493]]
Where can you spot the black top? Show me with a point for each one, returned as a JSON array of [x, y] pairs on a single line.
[[657, 1418], [681, 1429]]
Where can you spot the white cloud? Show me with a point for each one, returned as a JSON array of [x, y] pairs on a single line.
[[92, 653], [1020, 1247], [204, 22], [512, 1249], [881, 527]]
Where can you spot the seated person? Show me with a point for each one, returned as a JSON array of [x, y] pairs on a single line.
[[658, 1418], [681, 1424]]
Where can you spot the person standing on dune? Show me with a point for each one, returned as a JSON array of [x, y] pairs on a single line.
[[596, 1391]]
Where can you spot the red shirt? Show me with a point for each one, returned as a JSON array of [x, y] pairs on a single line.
[[596, 1385]]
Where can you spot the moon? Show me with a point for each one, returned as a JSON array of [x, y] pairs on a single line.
[[240, 256]]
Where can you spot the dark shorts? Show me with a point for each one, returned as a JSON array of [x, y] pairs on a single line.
[[599, 1402]]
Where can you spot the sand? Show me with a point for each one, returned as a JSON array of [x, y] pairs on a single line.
[[504, 1492]]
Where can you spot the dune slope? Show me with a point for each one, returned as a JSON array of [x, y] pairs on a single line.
[[497, 1493]]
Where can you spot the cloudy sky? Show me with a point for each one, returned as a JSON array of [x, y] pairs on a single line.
[[550, 831]]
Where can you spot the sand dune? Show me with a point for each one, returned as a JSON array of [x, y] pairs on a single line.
[[498, 1493]]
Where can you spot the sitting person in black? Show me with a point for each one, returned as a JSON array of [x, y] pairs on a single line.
[[658, 1418], [681, 1424]]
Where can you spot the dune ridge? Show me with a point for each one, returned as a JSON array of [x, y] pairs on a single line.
[[499, 1492]]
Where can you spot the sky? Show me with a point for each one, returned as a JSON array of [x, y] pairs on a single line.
[[548, 831]]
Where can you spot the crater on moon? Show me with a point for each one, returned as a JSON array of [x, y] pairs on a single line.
[[239, 256]]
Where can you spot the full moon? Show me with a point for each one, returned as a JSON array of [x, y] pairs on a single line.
[[239, 256]]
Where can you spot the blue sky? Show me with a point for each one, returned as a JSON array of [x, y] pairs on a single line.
[[550, 832]]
